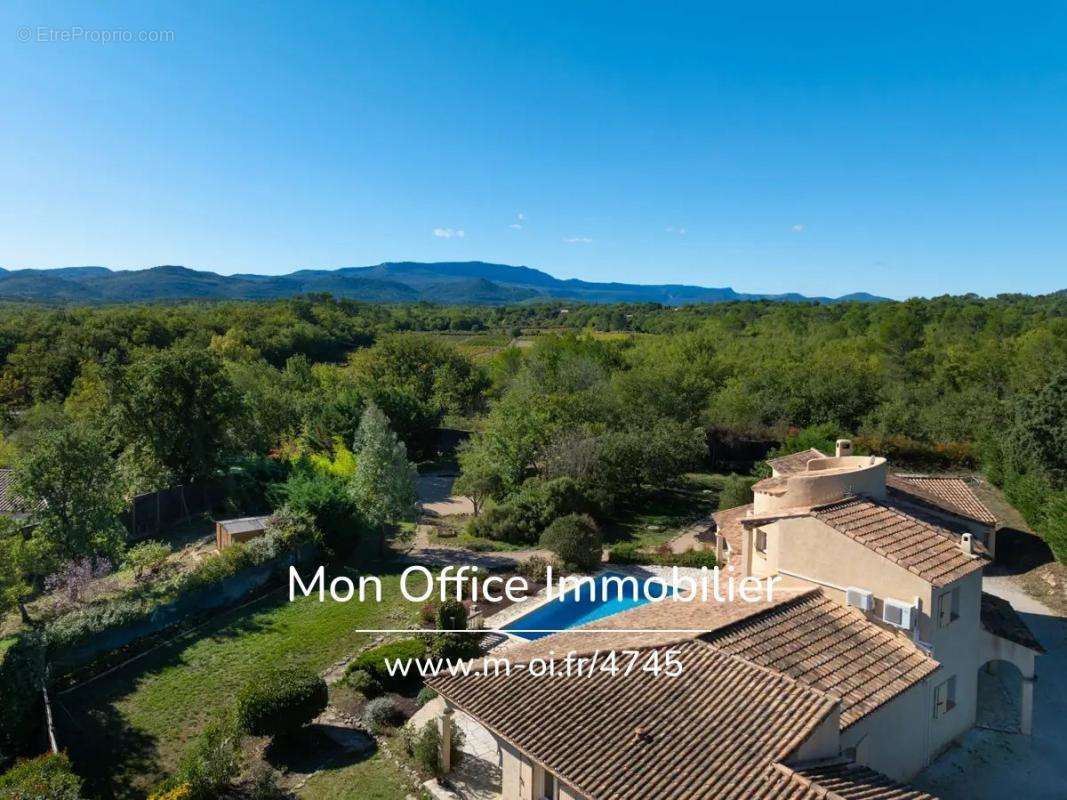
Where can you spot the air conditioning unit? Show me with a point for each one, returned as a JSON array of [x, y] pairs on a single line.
[[859, 598], [897, 614]]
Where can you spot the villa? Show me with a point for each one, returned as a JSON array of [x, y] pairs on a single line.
[[865, 665]]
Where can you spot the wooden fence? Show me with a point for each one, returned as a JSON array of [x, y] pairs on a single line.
[[150, 513]]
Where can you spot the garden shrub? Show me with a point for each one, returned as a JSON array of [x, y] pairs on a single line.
[[425, 695], [281, 701], [575, 539], [424, 746], [534, 569], [373, 661], [631, 553], [529, 511], [47, 777], [326, 500], [627, 553], [178, 792], [211, 762], [147, 558], [363, 682], [452, 615], [381, 713], [690, 558]]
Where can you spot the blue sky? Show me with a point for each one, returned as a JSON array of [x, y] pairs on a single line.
[[912, 149]]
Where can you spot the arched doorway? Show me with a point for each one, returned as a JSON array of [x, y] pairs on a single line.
[[1001, 701]]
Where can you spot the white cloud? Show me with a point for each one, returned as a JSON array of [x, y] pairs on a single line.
[[798, 228], [577, 240], [520, 216], [515, 226], [449, 233], [678, 231]]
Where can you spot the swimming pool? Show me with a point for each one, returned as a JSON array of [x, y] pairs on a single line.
[[570, 611]]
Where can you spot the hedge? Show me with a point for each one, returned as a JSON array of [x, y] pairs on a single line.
[[631, 553], [47, 777], [281, 701], [373, 661]]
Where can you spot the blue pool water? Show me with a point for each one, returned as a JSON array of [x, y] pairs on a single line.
[[570, 611]]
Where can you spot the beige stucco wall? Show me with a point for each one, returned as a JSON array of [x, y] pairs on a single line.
[[516, 774], [958, 648], [894, 739], [826, 480], [824, 741], [806, 551], [809, 549]]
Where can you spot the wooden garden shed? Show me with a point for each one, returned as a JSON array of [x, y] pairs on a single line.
[[242, 529]]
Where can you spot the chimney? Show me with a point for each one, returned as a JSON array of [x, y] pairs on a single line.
[[844, 448], [967, 544]]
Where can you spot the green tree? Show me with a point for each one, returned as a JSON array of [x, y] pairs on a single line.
[[178, 405], [68, 480], [479, 477], [1039, 438], [383, 484], [575, 538], [18, 558], [431, 370]]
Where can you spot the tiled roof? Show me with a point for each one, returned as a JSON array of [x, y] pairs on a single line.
[[728, 525], [794, 462], [1000, 619], [831, 647], [244, 524], [927, 550], [9, 504], [950, 494], [712, 733], [837, 782]]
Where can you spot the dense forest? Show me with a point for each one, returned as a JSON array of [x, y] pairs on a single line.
[[609, 400]]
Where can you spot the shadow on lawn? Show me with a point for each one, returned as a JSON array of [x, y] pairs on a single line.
[[106, 751], [318, 747], [120, 761]]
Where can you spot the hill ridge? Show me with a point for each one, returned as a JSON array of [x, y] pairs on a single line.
[[446, 282]]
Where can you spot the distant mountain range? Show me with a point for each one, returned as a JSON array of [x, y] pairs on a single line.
[[469, 282]]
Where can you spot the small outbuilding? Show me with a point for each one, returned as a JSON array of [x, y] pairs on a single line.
[[242, 529]]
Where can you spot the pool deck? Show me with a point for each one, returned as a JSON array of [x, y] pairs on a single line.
[[506, 616]]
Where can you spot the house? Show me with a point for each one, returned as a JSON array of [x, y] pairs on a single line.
[[862, 668], [242, 529], [10, 506], [761, 708]]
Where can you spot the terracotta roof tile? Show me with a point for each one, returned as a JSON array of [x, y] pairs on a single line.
[[949, 494], [794, 462], [928, 550], [712, 733], [830, 647], [837, 782]]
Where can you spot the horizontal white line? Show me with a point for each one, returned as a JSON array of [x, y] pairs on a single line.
[[533, 630]]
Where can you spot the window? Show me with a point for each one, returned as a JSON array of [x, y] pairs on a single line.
[[945, 697], [761, 541], [550, 790], [948, 608]]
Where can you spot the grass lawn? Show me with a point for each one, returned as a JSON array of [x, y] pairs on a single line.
[[129, 728], [665, 514], [376, 778]]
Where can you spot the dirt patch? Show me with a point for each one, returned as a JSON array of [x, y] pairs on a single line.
[[1047, 583]]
